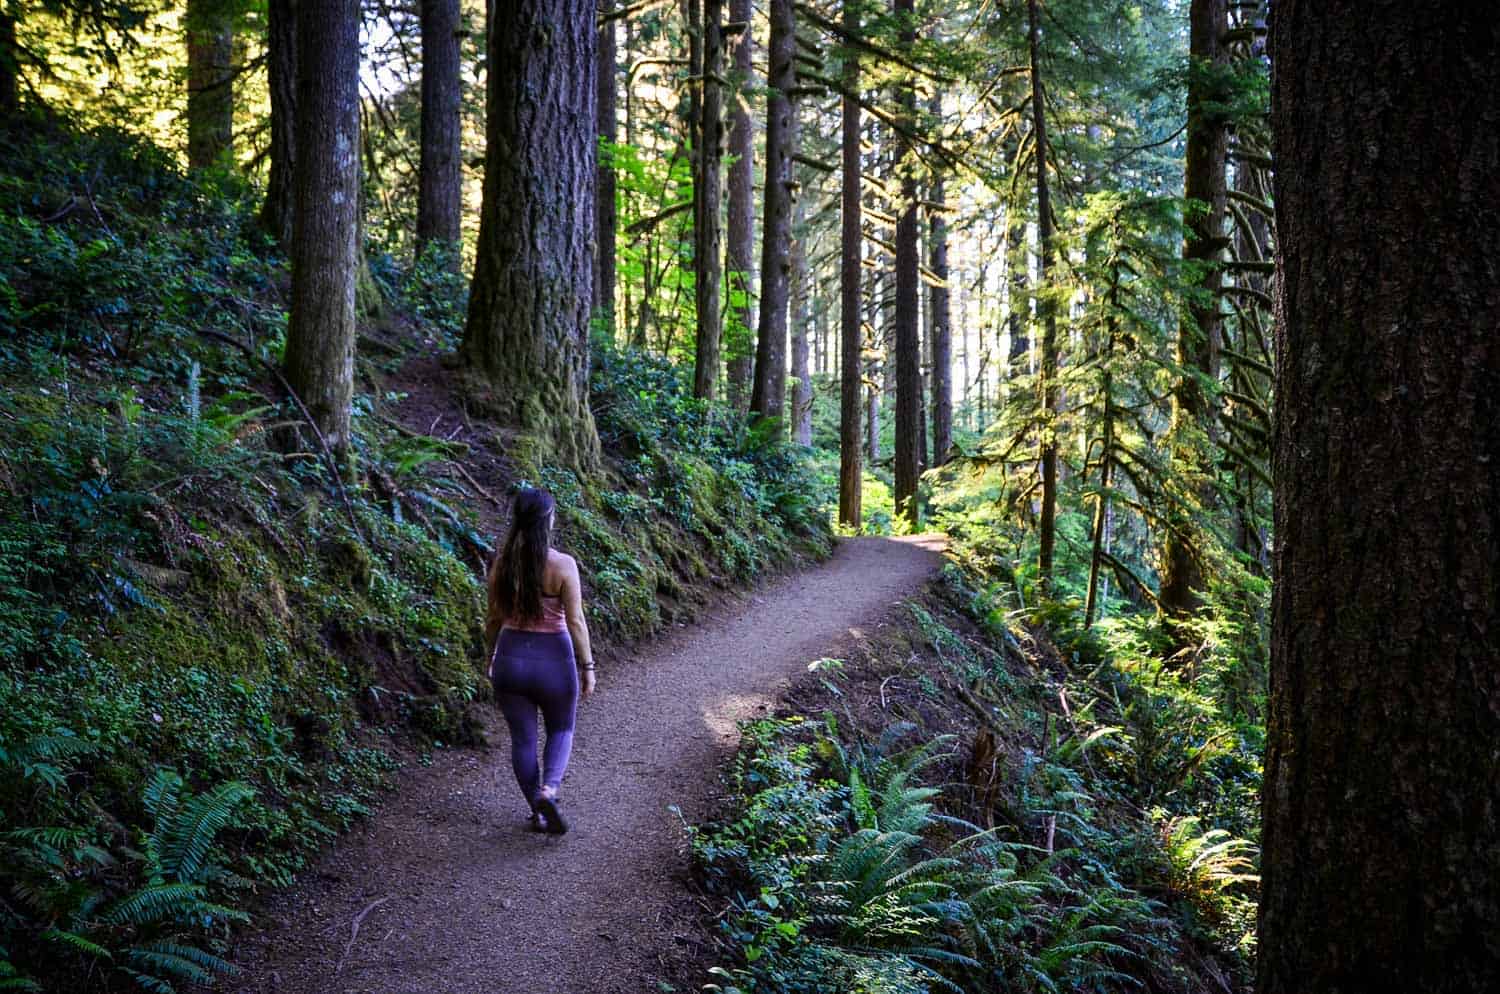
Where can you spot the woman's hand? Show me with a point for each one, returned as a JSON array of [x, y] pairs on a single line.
[[586, 682]]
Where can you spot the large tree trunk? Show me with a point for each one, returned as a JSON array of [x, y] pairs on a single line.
[[605, 210], [281, 72], [908, 368], [1047, 527], [440, 181], [324, 251], [706, 204], [851, 332], [802, 388], [1201, 329], [940, 331], [527, 333], [1382, 784], [768, 397], [211, 72], [740, 234]]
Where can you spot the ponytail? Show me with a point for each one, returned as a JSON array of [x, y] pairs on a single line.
[[515, 582]]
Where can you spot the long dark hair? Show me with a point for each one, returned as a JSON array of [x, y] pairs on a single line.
[[516, 576]]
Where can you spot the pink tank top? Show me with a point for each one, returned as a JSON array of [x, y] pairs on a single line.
[[552, 621]]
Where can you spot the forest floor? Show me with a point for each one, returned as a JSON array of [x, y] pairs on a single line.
[[446, 891]]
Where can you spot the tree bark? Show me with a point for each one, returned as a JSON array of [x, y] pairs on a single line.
[[1018, 359], [1200, 331], [802, 393], [851, 332], [1382, 780], [768, 396], [940, 331], [706, 204], [741, 220], [1047, 527], [606, 213], [281, 71], [907, 347], [1106, 454], [528, 324], [211, 71], [324, 252], [440, 176]]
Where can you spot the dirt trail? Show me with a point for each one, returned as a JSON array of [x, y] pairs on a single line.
[[451, 893]]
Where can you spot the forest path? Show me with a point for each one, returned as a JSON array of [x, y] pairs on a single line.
[[445, 891]]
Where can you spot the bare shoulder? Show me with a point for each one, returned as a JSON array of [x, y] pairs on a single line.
[[561, 567]]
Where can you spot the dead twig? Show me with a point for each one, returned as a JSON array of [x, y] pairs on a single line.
[[354, 931]]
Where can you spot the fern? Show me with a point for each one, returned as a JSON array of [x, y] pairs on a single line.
[[77, 943], [182, 841], [154, 903]]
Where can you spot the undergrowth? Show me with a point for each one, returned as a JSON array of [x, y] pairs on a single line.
[[972, 813]]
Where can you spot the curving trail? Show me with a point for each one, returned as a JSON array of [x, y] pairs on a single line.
[[452, 895]]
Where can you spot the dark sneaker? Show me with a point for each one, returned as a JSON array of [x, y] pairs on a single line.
[[551, 816]]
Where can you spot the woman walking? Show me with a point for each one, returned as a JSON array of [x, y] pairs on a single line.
[[540, 657]]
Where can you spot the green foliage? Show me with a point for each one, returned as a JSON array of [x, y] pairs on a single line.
[[84, 899], [851, 880]]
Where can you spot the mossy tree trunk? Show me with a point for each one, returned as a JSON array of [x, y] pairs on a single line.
[[211, 71], [802, 386], [851, 260], [1201, 328], [768, 395], [1382, 784], [440, 172], [740, 223], [324, 249], [940, 327], [527, 334], [281, 72], [1047, 445], [708, 158], [908, 366], [606, 214]]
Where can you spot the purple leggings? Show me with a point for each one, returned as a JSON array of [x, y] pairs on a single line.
[[536, 670]]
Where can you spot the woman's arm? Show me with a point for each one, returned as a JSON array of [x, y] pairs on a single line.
[[492, 620], [578, 626]]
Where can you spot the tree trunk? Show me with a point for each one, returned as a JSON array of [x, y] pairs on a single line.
[[1047, 527], [1200, 331], [606, 215], [1382, 782], [802, 394], [528, 323], [281, 71], [440, 180], [10, 100], [768, 396], [1106, 454], [741, 220], [1018, 359], [908, 358], [706, 204], [211, 71], [940, 332], [851, 332], [324, 251]]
